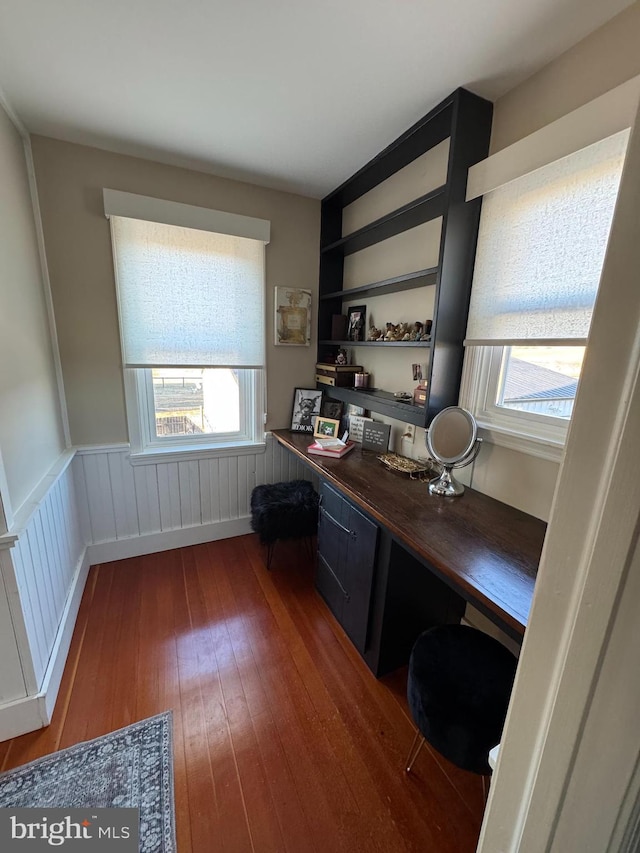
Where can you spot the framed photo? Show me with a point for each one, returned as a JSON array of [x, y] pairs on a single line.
[[306, 408], [292, 317], [331, 408], [356, 327], [326, 427]]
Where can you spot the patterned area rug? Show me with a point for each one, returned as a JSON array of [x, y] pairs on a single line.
[[129, 768]]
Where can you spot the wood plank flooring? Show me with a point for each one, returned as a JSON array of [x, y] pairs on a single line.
[[283, 740]]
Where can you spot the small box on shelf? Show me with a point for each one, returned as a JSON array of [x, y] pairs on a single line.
[[420, 394], [337, 375]]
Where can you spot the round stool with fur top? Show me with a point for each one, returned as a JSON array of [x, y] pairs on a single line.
[[458, 689]]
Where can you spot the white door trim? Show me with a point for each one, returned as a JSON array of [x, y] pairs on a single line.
[[587, 561]]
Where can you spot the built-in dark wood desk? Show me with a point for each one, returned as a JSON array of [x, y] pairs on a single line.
[[484, 550]]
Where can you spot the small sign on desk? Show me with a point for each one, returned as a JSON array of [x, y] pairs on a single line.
[[376, 436]]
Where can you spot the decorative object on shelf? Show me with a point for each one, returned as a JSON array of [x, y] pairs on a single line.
[[356, 328], [402, 396], [292, 316], [418, 374], [306, 406], [452, 440], [374, 334], [375, 436], [420, 394], [337, 375], [339, 324], [356, 426], [341, 356], [331, 408], [361, 380], [326, 427], [415, 468]]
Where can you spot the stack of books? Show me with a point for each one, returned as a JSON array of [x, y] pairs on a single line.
[[337, 375], [331, 447]]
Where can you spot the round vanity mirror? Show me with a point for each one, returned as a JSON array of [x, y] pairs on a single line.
[[452, 440]]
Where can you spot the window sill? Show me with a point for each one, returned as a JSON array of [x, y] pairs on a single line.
[[543, 448], [152, 456]]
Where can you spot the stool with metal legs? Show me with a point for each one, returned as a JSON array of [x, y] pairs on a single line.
[[458, 689]]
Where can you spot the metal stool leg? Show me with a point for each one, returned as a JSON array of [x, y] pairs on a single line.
[[415, 750], [270, 549]]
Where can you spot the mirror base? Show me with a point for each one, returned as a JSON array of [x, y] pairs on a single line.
[[446, 485]]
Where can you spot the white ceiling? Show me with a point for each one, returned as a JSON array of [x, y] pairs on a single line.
[[292, 94]]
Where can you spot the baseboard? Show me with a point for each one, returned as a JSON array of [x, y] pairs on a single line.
[[35, 711], [53, 675], [21, 716], [152, 543]]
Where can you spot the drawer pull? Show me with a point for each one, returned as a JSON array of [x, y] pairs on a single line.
[[336, 522], [335, 577]]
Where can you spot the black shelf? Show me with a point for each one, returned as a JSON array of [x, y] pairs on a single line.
[[382, 402], [409, 281], [379, 344], [425, 134], [416, 212], [465, 119]]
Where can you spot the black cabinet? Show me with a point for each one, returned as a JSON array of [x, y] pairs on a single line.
[[347, 542], [464, 119]]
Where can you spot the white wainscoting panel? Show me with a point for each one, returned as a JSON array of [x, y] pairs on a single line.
[[43, 570], [125, 502], [46, 556]]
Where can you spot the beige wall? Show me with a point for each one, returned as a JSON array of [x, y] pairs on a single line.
[[31, 436], [70, 180], [601, 61]]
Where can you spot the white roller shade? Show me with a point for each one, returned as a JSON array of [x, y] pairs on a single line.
[[541, 247], [188, 297]]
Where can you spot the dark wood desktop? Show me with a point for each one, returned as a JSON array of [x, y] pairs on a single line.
[[475, 549]]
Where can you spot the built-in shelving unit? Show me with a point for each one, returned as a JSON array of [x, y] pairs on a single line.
[[464, 119], [397, 284], [424, 209], [380, 401], [378, 344]]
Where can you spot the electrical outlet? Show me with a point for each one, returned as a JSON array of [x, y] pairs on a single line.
[[409, 433]]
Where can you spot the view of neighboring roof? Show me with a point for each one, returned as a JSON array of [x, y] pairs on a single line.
[[527, 381]]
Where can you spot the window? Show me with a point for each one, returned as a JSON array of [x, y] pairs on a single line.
[[190, 288], [541, 247]]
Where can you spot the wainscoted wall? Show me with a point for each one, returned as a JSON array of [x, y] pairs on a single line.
[[92, 507], [130, 510], [43, 569]]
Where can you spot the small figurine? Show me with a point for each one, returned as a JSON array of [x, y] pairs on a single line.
[[341, 357]]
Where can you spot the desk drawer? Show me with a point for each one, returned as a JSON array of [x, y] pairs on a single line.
[[347, 542]]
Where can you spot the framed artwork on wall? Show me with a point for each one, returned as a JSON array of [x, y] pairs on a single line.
[[292, 317]]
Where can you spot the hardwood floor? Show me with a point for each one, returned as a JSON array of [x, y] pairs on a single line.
[[283, 740]]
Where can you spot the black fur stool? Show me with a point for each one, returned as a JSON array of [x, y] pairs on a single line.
[[459, 684], [284, 511]]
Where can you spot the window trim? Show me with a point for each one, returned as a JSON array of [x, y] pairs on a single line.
[[536, 435], [144, 450]]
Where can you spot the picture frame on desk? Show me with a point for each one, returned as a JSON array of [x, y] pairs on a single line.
[[307, 403], [332, 408], [326, 427]]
